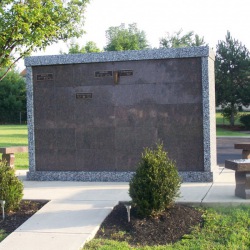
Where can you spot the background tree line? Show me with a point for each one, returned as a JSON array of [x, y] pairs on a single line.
[[27, 26], [12, 98]]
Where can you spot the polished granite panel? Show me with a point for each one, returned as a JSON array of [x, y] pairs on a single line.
[[159, 71], [181, 119], [85, 159], [187, 151], [46, 159], [157, 93], [105, 160], [136, 116], [45, 139], [64, 76], [127, 160], [89, 116], [65, 138], [125, 138], [145, 137], [44, 107], [66, 159], [91, 121], [95, 138], [135, 138], [95, 159], [65, 107]]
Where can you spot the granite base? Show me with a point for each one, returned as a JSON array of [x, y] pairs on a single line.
[[108, 176]]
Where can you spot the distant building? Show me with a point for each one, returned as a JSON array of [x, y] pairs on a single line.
[[23, 73]]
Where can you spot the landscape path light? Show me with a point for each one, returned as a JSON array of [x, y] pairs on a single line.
[[2, 202], [127, 204]]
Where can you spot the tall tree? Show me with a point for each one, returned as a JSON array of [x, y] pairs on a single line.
[[74, 48], [179, 40], [232, 76], [121, 38], [28, 25], [89, 47], [12, 97]]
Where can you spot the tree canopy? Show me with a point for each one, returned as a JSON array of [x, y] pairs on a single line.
[[179, 40], [12, 97], [89, 47], [28, 25], [121, 38], [232, 76]]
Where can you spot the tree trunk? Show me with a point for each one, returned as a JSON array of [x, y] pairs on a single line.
[[232, 118]]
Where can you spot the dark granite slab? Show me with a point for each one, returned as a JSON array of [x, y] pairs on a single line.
[[98, 112]]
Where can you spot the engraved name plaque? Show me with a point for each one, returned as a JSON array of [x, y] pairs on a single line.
[[83, 95], [125, 72], [45, 77], [103, 73]]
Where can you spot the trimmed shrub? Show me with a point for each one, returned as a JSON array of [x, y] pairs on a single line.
[[245, 120], [155, 184], [11, 188]]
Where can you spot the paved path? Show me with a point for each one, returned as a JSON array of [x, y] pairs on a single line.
[[225, 148]]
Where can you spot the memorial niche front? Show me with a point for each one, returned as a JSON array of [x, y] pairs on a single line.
[[98, 117]]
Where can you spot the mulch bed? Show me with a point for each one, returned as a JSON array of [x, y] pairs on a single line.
[[169, 227], [14, 219]]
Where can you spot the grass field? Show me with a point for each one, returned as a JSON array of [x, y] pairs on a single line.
[[15, 135], [223, 132], [221, 121], [2, 235], [224, 228]]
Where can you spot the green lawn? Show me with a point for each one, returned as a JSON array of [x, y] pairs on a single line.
[[2, 234], [221, 121], [15, 135], [224, 228], [223, 132]]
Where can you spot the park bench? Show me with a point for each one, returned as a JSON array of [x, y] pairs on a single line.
[[245, 149], [242, 176], [242, 171], [8, 154]]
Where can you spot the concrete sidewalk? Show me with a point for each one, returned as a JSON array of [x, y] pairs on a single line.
[[76, 209]]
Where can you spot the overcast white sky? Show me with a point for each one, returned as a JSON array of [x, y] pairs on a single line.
[[208, 18]]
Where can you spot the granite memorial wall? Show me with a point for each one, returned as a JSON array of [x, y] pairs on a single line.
[[91, 115]]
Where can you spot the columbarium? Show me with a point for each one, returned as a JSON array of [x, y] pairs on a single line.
[[91, 115]]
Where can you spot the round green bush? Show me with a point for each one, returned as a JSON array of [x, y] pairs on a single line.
[[155, 184], [11, 188], [245, 120]]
